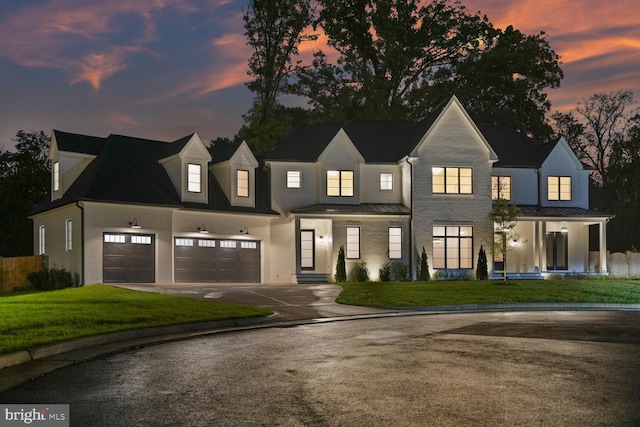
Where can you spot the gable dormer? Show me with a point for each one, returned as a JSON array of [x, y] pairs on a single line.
[[236, 174], [339, 166], [186, 162], [564, 179], [69, 155]]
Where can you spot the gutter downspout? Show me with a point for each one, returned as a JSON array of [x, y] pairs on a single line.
[[411, 249], [79, 205]]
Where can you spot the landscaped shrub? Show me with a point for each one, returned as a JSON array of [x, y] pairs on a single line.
[[482, 272], [341, 270], [423, 269], [452, 275], [385, 272], [361, 273], [399, 272], [50, 279]]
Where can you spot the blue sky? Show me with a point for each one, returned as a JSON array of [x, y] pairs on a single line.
[[162, 69]]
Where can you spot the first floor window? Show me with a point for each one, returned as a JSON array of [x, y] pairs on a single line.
[[69, 235], [194, 178], [243, 183], [41, 245], [452, 180], [501, 187], [339, 183], [559, 187], [395, 242], [353, 243], [498, 253], [452, 247], [293, 179]]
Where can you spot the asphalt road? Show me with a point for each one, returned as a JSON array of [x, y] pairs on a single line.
[[472, 369]]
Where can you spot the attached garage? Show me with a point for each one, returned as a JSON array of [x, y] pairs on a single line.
[[128, 258], [216, 260]]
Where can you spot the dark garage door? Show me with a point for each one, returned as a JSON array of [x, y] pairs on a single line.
[[128, 258], [216, 260]]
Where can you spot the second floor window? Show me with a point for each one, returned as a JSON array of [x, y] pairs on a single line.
[[293, 179], [41, 244], [194, 183], [559, 188], [501, 187], [386, 181], [56, 176], [339, 183], [242, 177], [452, 180]]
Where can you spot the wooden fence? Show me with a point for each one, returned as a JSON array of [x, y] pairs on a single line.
[[13, 271]]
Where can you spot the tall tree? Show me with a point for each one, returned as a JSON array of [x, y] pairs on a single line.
[[596, 126], [387, 48], [274, 30], [24, 181], [504, 217], [399, 59], [504, 81]]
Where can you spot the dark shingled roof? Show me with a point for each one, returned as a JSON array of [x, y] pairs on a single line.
[[515, 149], [127, 170], [221, 152]]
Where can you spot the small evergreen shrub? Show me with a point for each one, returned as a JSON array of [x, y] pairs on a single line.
[[452, 275], [482, 272], [50, 279], [361, 273], [423, 268], [341, 270]]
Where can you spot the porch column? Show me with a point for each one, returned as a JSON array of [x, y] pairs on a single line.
[[536, 245], [542, 227], [603, 246]]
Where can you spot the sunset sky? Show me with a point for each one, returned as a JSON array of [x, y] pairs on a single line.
[[162, 69]]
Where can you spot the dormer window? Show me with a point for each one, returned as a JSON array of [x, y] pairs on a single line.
[[559, 187], [339, 183], [242, 181], [56, 176], [194, 178]]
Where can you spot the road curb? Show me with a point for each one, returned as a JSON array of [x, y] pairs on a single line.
[[48, 350]]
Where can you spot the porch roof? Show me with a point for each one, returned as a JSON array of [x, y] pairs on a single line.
[[360, 209], [535, 211]]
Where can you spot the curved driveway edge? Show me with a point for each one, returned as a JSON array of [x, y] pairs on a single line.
[[294, 305]]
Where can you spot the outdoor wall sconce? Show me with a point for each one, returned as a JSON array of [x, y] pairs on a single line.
[[244, 231], [134, 223], [203, 229], [564, 228]]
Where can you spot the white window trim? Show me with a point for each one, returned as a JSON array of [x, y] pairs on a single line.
[[384, 183], [395, 243], [194, 179], [294, 182], [353, 243], [239, 180], [56, 176], [68, 231], [41, 240]]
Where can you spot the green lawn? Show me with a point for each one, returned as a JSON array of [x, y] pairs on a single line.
[[31, 319], [438, 293]]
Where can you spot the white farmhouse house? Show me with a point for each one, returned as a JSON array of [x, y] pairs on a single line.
[[125, 209]]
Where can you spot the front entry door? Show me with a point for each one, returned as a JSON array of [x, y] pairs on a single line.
[[557, 251]]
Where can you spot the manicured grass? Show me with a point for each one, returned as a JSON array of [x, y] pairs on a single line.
[[31, 319], [438, 293]]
